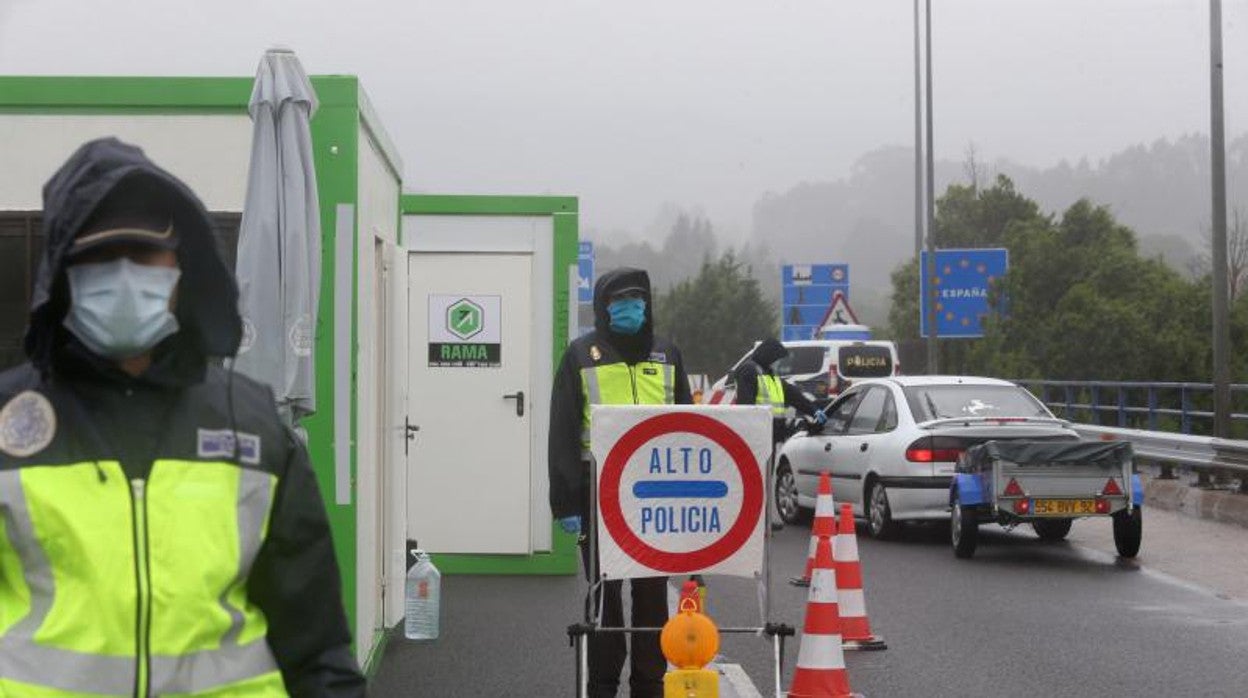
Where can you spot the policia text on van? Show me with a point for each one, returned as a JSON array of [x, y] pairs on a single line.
[[161, 532]]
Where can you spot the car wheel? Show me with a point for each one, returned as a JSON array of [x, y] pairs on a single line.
[[786, 496], [880, 522], [963, 531], [1052, 530], [1128, 530]]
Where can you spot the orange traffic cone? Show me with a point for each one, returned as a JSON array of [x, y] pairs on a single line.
[[824, 525], [853, 600], [820, 671]]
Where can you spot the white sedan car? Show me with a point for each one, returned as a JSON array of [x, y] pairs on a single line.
[[890, 445]]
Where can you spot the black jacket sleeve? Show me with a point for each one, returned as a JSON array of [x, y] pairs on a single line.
[[746, 377], [684, 395], [568, 474], [794, 398], [295, 581]]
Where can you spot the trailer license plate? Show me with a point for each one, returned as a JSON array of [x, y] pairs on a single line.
[[1064, 507]]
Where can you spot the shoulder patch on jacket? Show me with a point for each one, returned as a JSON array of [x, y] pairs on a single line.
[[219, 443], [27, 424], [595, 353], [658, 357]]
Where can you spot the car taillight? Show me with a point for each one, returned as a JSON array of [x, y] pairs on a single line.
[[933, 455], [1111, 489], [1022, 506], [939, 449], [1013, 489], [1102, 506]]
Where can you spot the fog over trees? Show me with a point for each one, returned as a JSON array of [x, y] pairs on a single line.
[[1122, 244], [866, 219]]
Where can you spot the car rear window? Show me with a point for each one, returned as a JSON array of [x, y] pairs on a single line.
[[800, 361], [942, 401], [864, 361]]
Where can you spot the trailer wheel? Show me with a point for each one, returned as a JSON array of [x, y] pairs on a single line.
[[963, 531], [1052, 530], [1128, 530]]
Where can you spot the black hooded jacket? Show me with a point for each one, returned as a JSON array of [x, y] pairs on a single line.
[[105, 414], [762, 361], [569, 474]]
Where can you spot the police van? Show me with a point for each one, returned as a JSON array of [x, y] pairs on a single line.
[[821, 368]]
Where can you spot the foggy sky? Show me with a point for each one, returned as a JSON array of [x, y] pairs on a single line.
[[701, 103]]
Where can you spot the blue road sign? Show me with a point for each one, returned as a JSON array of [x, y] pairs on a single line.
[[585, 272], [963, 281], [807, 292]]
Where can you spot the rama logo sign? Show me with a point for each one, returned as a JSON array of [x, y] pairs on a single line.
[[465, 319]]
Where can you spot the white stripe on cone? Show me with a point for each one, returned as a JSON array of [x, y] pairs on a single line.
[[852, 603], [845, 548], [822, 586], [825, 506], [821, 652]]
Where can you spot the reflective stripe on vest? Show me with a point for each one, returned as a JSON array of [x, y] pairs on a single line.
[[771, 392], [645, 383], [69, 552]]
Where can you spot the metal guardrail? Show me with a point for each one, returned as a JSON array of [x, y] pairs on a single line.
[[1178, 405], [1119, 402], [1210, 458]]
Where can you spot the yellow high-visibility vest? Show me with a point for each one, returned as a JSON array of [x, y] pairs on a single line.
[[618, 383], [771, 392], [133, 587]]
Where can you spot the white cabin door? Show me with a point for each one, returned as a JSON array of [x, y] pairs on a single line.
[[470, 392]]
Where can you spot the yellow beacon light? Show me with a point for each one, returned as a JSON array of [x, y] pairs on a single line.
[[689, 641]]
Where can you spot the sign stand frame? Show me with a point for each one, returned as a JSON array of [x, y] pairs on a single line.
[[579, 633]]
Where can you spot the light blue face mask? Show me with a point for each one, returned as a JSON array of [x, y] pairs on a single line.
[[627, 315], [120, 309]]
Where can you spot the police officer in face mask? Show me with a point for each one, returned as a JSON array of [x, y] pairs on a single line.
[[621, 362], [178, 517]]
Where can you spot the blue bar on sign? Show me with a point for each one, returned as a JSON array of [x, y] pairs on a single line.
[[680, 489]]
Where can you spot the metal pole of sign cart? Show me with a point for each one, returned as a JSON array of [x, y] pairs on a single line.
[[768, 512]]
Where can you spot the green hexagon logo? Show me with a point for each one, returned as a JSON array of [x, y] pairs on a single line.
[[464, 319]]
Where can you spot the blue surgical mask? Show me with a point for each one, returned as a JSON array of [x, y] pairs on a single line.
[[627, 315], [120, 309]]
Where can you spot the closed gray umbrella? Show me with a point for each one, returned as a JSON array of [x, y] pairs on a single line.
[[279, 242]]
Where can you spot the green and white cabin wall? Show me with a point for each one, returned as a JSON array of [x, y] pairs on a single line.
[[366, 346], [198, 128]]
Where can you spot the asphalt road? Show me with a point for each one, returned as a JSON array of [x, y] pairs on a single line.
[[1021, 618]]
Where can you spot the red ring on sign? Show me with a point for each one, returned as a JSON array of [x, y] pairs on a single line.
[[703, 558]]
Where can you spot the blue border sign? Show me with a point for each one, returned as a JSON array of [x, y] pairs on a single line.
[[961, 287], [585, 272], [807, 291]]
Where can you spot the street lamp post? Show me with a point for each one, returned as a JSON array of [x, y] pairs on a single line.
[[1221, 290], [918, 141], [933, 352]]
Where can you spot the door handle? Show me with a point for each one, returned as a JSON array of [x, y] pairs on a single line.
[[863, 448], [518, 396], [409, 434]]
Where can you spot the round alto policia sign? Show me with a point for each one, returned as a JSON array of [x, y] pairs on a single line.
[[681, 492]]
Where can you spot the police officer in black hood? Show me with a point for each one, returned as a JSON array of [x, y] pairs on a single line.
[[177, 515], [758, 384], [621, 362]]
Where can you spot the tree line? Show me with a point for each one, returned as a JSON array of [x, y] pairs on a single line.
[[1082, 301]]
